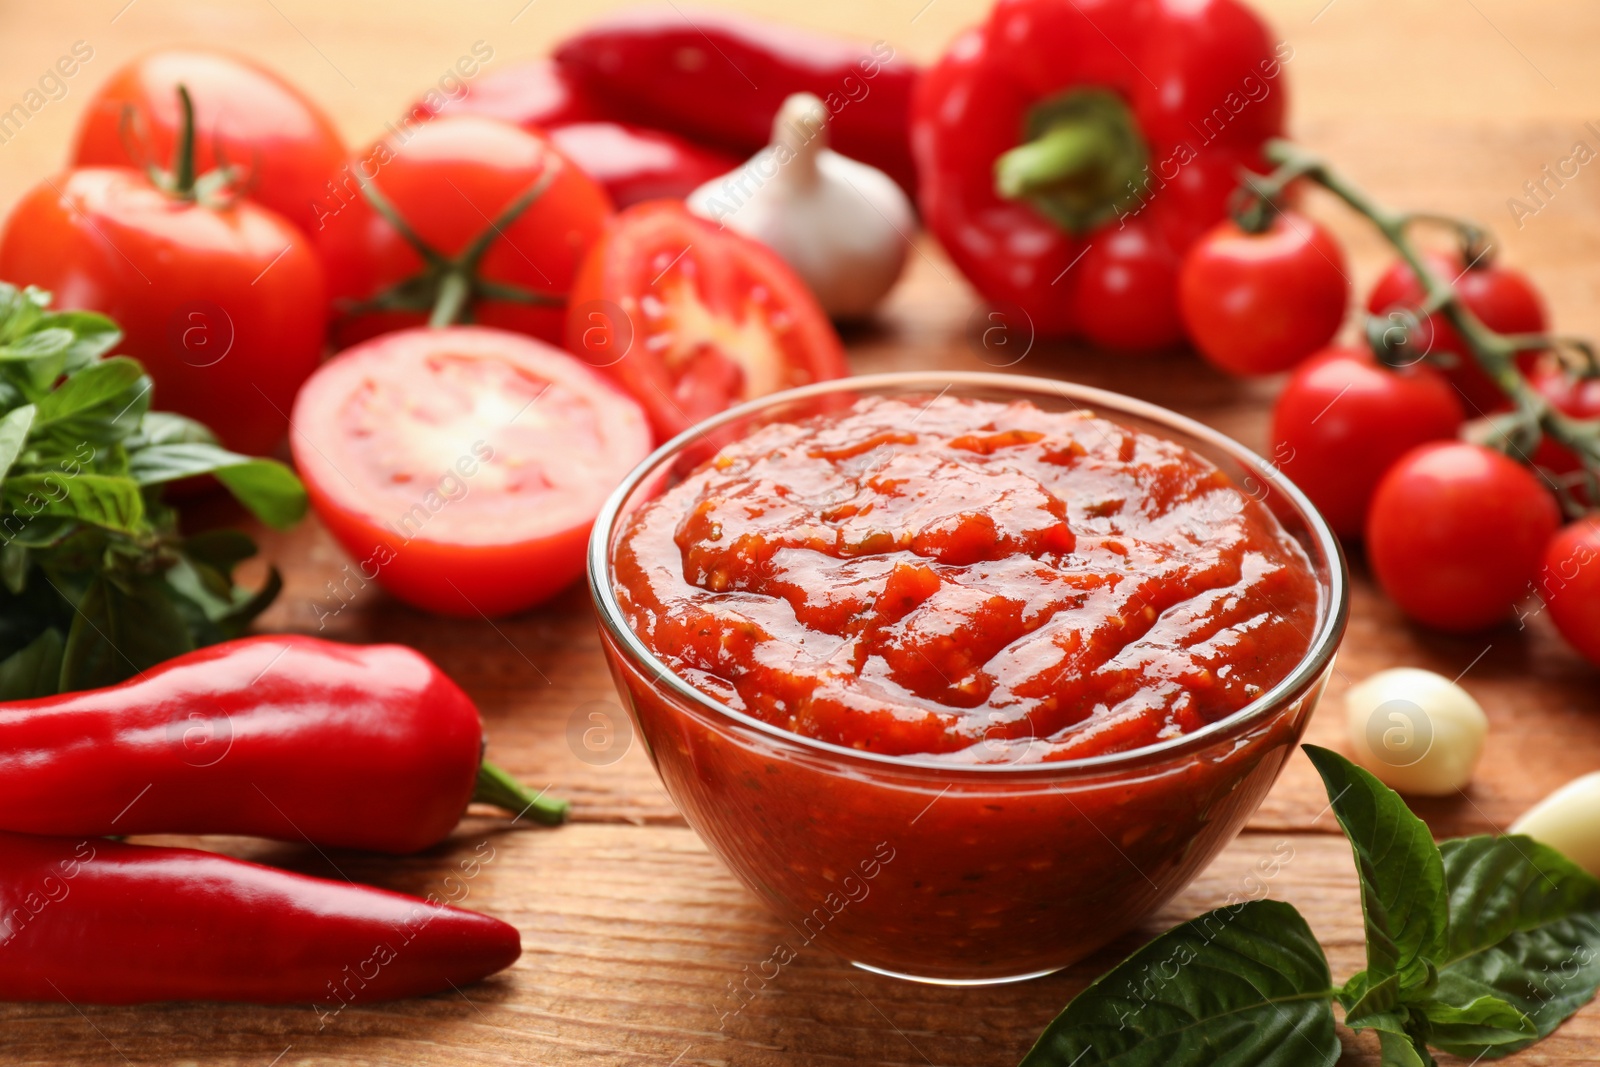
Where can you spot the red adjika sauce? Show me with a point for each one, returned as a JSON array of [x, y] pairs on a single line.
[[968, 580]]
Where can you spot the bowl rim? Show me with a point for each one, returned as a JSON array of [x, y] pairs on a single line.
[[1324, 643]]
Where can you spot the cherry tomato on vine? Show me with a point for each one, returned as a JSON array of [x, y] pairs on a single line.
[[1570, 585], [1577, 397], [463, 467], [1259, 303], [222, 301], [1457, 532], [285, 145], [1501, 297], [505, 218], [691, 318], [1343, 419]]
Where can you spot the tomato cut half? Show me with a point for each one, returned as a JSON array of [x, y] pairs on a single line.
[[692, 319], [463, 467]]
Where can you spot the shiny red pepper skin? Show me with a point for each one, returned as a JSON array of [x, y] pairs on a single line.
[[92, 921], [534, 94], [280, 736], [719, 77], [637, 164], [1204, 85]]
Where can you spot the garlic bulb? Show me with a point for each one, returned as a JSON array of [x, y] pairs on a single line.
[[1416, 731], [841, 225], [1568, 820]]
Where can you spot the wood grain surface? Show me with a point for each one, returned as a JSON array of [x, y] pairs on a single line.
[[633, 933]]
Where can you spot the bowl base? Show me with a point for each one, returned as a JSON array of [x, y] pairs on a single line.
[[1002, 980]]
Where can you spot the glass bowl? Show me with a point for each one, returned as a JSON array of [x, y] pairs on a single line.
[[964, 874]]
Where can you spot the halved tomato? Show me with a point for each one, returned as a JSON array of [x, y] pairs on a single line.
[[691, 318], [463, 467]]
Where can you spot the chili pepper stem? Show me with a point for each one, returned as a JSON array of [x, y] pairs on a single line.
[[497, 787], [1493, 352]]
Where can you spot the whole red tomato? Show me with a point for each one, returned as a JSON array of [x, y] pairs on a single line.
[[1258, 303], [287, 147], [1503, 298], [1577, 397], [1457, 533], [1570, 585], [691, 318], [451, 183], [224, 305], [1343, 419]]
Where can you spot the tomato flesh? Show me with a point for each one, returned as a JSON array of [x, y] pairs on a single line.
[[692, 319], [462, 468]]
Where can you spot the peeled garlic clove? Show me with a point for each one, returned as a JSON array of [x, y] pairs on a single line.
[[1568, 820], [841, 225], [1416, 731]]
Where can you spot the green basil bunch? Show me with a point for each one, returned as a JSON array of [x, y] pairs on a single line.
[[1477, 946], [96, 582]]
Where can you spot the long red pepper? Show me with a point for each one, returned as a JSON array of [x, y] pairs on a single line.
[[280, 736], [91, 921], [720, 77]]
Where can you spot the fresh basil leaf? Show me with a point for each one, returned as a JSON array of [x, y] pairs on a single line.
[[268, 488], [1403, 1050], [117, 634], [1524, 929], [1402, 875], [101, 386], [14, 427], [221, 550], [100, 499], [14, 563], [94, 335], [1365, 1000], [37, 345], [33, 671], [1485, 1022], [165, 428], [1246, 984]]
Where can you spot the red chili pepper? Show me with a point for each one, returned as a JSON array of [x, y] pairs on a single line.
[[637, 164], [720, 77], [1069, 153], [101, 922], [283, 736], [535, 94]]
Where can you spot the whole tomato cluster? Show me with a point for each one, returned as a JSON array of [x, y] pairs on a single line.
[[1457, 533], [454, 449]]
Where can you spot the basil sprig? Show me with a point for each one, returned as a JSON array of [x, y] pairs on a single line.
[[96, 581], [1477, 946]]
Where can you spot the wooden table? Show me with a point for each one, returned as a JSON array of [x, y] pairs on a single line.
[[633, 933]]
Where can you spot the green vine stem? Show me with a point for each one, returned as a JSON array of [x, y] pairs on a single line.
[[1494, 353]]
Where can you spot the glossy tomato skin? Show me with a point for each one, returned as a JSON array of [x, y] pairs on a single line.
[[265, 126], [691, 319], [224, 307], [1579, 398], [1342, 421], [1123, 299], [462, 468], [1457, 533], [1261, 303], [448, 180], [1503, 298], [1570, 584]]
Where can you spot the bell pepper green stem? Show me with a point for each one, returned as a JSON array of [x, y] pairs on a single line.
[[1069, 149], [497, 787]]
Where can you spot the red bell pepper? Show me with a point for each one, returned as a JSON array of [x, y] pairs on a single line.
[[91, 921], [1069, 153], [719, 77], [637, 164], [285, 737]]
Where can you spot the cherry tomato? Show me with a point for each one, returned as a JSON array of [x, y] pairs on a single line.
[[287, 146], [1258, 303], [1126, 297], [1343, 419], [224, 306], [533, 94], [1579, 398], [1570, 585], [692, 319], [463, 467], [449, 181], [1457, 532], [1503, 298]]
